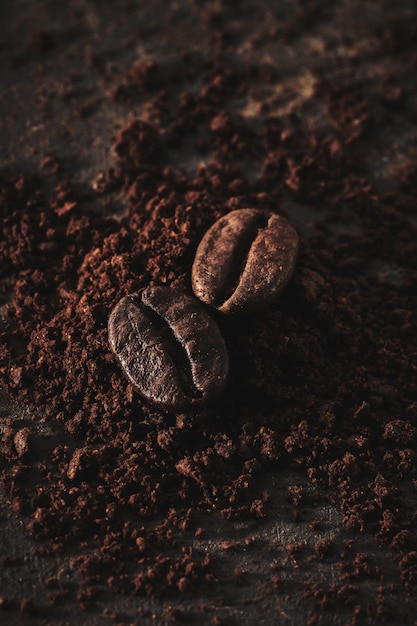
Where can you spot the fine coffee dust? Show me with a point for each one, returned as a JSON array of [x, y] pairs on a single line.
[[322, 382]]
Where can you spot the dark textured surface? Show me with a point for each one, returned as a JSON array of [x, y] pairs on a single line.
[[298, 498]]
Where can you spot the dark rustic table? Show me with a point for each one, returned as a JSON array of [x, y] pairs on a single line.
[[65, 92]]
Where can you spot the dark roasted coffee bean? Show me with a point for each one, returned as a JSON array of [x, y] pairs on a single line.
[[169, 347], [244, 261]]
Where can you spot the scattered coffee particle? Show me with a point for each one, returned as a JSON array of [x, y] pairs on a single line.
[[23, 441], [324, 548], [400, 432], [240, 576], [183, 584], [27, 607], [228, 545]]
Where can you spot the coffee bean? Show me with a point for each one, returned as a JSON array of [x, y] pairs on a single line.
[[244, 261], [169, 347]]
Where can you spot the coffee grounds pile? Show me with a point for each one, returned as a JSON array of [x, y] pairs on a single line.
[[323, 382]]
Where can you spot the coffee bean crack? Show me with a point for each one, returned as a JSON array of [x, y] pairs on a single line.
[[239, 256], [176, 349]]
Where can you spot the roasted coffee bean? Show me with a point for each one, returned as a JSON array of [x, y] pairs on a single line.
[[169, 347], [244, 261]]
